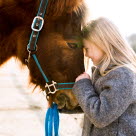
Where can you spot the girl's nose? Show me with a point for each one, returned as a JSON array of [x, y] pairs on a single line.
[[85, 53]]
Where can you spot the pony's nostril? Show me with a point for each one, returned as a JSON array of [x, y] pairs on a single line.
[[61, 98]]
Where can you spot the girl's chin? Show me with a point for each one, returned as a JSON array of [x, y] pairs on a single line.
[[95, 63]]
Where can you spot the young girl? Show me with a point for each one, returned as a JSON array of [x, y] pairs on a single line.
[[108, 98]]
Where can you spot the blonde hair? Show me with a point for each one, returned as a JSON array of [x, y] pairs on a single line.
[[104, 34]]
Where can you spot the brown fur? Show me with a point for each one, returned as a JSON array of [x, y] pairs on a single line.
[[62, 24]]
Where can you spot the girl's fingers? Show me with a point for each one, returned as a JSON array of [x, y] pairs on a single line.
[[82, 76]]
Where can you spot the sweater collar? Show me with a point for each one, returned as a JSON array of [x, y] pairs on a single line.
[[111, 65]]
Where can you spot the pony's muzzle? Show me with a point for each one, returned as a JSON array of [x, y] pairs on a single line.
[[61, 100]]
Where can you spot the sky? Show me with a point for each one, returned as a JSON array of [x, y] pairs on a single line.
[[120, 12]]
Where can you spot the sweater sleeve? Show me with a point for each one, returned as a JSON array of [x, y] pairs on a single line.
[[115, 97]]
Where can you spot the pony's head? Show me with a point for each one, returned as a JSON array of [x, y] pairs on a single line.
[[58, 49]]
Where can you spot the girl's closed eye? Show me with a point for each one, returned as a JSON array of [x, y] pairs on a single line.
[[86, 49]]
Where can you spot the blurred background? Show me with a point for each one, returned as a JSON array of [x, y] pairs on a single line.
[[121, 12], [22, 112]]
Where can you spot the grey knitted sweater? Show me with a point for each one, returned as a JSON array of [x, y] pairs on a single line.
[[109, 103]]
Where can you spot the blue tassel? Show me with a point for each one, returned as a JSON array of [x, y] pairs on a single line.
[[52, 121]]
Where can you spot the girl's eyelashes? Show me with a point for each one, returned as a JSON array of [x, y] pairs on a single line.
[[86, 48]]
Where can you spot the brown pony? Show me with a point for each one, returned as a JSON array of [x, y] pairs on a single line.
[[58, 56]]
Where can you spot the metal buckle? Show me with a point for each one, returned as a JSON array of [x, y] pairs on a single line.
[[40, 26], [48, 86], [31, 51]]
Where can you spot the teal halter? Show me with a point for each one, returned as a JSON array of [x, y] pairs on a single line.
[[52, 115], [37, 26]]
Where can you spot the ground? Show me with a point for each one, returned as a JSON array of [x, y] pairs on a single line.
[[22, 113]]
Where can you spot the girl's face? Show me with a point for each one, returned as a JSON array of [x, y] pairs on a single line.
[[93, 52]]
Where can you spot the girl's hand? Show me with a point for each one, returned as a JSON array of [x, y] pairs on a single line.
[[82, 76]]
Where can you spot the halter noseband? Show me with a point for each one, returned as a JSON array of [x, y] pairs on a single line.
[[51, 86]]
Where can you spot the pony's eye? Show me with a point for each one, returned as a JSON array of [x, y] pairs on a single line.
[[72, 45]]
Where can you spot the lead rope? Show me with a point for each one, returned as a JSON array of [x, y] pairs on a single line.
[[52, 121]]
